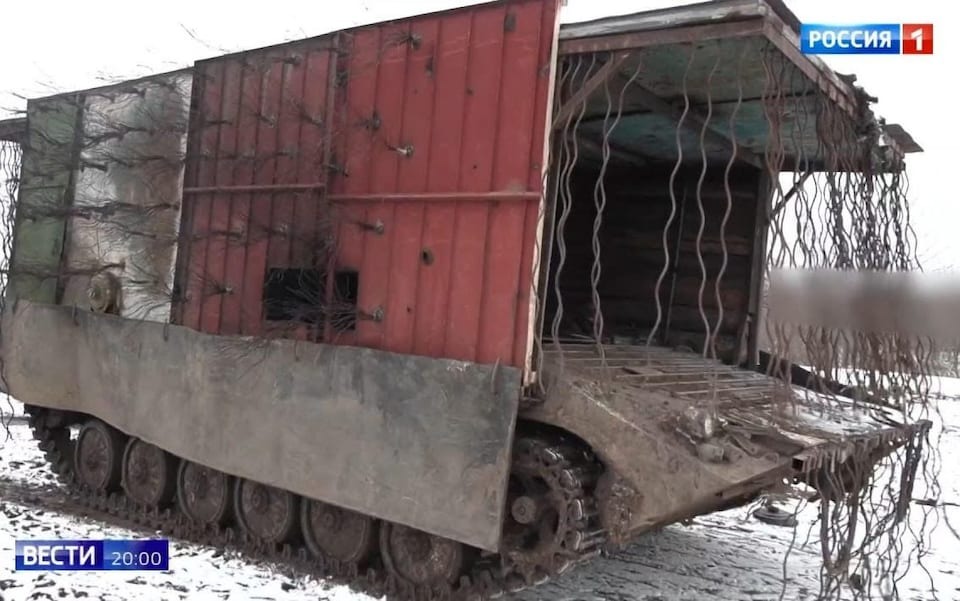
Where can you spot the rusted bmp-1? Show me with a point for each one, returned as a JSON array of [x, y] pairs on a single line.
[[468, 297]]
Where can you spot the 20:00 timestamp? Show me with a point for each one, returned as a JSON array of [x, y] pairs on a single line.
[[143, 559]]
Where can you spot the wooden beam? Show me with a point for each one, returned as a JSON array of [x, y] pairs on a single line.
[[761, 230], [693, 121], [622, 155], [595, 81], [660, 37]]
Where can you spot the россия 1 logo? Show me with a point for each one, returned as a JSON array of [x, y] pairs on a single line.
[[878, 38]]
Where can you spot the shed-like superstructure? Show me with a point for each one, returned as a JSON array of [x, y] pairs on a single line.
[[394, 170]]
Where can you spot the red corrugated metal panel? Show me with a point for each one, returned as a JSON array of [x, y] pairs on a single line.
[[418, 148]]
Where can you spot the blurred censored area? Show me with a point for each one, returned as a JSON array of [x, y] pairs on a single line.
[[912, 304]]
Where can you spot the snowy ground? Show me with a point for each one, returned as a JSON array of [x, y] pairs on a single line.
[[723, 556]]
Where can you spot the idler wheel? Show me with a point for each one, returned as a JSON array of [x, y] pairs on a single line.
[[420, 558], [550, 521], [342, 534], [204, 493], [98, 458], [267, 513], [149, 474]]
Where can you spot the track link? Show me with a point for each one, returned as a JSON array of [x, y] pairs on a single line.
[[567, 468]]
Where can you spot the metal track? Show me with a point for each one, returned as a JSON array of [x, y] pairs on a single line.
[[571, 469]]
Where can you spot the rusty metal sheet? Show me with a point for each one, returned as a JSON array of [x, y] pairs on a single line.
[[415, 146], [126, 202], [419, 441]]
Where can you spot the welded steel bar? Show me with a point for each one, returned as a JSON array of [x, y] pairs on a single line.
[[436, 196], [393, 197], [255, 188]]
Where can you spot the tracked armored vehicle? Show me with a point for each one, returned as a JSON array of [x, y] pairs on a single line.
[[453, 302]]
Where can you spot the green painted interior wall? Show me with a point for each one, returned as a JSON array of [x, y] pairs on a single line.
[[49, 157]]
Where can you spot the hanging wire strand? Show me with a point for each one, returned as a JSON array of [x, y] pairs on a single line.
[[708, 342], [728, 195], [570, 156], [678, 140], [11, 159]]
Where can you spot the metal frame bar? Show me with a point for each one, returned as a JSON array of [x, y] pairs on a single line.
[[185, 246], [435, 196], [761, 230], [70, 193], [595, 81], [325, 331], [254, 188]]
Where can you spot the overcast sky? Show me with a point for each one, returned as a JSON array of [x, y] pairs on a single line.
[[56, 45]]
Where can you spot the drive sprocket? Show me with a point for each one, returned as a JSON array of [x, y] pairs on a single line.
[[552, 520]]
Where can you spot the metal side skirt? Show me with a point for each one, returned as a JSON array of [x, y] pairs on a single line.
[[414, 440]]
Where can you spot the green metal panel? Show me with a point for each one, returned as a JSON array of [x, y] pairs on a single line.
[[46, 182], [654, 136], [716, 80]]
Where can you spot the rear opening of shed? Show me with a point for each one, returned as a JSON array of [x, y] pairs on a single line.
[[678, 136]]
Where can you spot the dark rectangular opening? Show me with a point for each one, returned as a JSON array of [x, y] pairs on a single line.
[[293, 295], [637, 264], [300, 295]]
